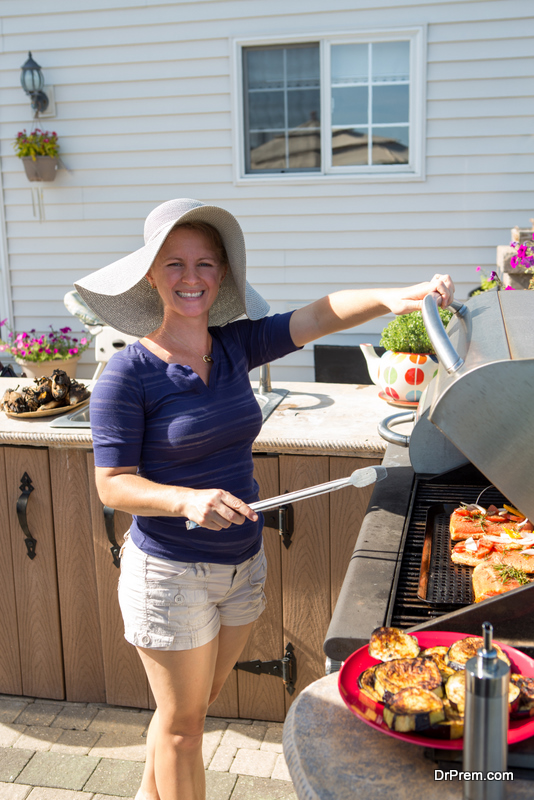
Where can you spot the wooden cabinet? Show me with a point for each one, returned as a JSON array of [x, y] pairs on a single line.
[[60, 621]]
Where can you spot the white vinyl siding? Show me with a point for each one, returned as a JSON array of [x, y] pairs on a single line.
[[146, 109]]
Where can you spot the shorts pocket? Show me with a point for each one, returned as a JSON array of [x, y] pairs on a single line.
[[258, 570]]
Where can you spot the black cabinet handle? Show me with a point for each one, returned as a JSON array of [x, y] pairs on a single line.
[[26, 488], [109, 521]]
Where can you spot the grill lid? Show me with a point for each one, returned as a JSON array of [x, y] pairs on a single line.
[[485, 408]]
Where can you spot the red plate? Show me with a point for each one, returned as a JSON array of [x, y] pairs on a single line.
[[370, 712]]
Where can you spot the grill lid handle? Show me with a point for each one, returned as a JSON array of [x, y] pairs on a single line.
[[447, 355], [384, 428]]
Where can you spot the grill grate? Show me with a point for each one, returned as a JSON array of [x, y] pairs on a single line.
[[408, 608]]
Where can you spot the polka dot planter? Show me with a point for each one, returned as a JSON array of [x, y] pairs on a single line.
[[403, 377]]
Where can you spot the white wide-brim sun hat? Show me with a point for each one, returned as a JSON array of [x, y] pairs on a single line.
[[122, 297]]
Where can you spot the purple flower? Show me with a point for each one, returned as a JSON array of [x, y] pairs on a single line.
[[65, 330], [493, 276], [73, 351], [3, 322]]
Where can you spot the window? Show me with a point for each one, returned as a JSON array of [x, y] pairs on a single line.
[[339, 105]]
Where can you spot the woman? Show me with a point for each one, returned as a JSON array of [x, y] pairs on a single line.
[[173, 419]]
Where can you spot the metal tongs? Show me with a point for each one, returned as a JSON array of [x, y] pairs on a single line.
[[359, 478]]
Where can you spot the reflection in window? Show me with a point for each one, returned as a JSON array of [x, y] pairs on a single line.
[[390, 145], [283, 104], [370, 88]]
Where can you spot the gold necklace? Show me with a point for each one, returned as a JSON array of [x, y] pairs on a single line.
[[208, 359]]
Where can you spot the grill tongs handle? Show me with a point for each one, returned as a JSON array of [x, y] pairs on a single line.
[[447, 355], [359, 479]]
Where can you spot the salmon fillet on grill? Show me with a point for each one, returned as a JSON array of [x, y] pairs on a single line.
[[461, 554], [488, 582], [463, 526]]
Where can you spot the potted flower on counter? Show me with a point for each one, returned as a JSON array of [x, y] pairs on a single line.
[[39, 151], [409, 363], [40, 355]]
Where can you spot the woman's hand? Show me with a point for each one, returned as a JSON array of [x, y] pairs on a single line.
[[404, 301], [216, 509]]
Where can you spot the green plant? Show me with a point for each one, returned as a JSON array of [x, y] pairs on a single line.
[[407, 333], [53, 346], [36, 143]]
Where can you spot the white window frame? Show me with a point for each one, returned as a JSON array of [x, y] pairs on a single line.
[[413, 171]]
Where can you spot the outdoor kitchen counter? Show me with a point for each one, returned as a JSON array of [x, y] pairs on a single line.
[[332, 755], [314, 418]]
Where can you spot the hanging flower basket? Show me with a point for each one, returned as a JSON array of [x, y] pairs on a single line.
[[39, 152], [44, 168]]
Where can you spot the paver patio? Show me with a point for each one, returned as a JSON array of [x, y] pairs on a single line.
[[52, 750]]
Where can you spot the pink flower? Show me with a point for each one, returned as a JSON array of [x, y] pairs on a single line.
[[509, 287], [3, 322], [73, 351], [478, 269], [83, 340]]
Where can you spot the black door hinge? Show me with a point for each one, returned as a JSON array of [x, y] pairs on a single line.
[[285, 668], [281, 518]]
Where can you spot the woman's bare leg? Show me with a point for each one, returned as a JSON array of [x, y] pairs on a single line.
[[225, 649], [181, 682]]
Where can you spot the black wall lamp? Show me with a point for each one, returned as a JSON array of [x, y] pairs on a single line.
[[32, 82]]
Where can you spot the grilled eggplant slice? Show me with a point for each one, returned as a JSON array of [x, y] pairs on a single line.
[[413, 709], [392, 676], [525, 706], [461, 651], [438, 653], [452, 727], [455, 691], [387, 644], [366, 682]]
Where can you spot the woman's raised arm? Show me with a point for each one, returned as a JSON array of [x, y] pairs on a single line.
[[346, 309]]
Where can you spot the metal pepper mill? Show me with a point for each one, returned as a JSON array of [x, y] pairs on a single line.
[[486, 721]]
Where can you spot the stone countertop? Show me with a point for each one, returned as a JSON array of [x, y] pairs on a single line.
[[333, 755], [313, 419]]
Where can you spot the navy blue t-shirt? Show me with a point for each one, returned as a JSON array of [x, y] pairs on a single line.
[[163, 419]]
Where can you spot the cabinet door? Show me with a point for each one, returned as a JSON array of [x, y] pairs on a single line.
[[306, 569], [35, 579], [347, 510], [262, 696], [78, 597], [10, 674], [126, 683]]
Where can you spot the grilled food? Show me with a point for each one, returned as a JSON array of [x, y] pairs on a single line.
[[366, 682], [461, 651], [413, 709], [48, 393], [525, 707], [392, 676], [389, 643], [455, 692], [438, 653], [492, 578], [452, 727]]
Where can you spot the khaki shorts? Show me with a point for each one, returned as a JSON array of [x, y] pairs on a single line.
[[174, 605]]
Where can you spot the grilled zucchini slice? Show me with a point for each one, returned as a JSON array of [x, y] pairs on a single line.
[[438, 653], [366, 682], [392, 676], [461, 651], [413, 709], [387, 644]]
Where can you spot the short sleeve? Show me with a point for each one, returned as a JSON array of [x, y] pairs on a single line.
[[266, 339], [117, 414]]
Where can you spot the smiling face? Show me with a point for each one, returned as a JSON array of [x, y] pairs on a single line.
[[187, 272]]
